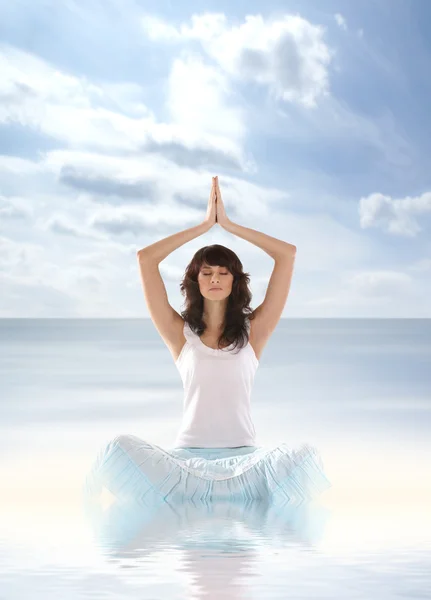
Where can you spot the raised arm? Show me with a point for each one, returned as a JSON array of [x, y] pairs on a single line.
[[166, 320], [274, 247], [267, 315], [161, 249]]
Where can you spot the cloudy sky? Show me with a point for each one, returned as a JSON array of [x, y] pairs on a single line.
[[314, 114]]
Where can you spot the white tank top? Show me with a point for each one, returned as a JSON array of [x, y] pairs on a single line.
[[217, 389]]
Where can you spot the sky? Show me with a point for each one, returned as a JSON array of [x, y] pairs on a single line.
[[114, 116]]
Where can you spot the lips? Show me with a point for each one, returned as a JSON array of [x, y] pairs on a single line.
[[215, 289]]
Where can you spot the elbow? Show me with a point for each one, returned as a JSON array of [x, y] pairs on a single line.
[[143, 251], [145, 255], [141, 254]]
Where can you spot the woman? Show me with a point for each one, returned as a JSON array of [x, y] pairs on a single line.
[[216, 344]]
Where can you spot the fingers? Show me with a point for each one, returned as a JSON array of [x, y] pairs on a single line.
[[215, 187]]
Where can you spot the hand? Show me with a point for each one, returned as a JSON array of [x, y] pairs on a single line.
[[221, 213], [211, 215]]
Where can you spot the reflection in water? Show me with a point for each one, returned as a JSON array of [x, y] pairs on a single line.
[[221, 542]]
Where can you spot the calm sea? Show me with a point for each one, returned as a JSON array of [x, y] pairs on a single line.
[[357, 390]]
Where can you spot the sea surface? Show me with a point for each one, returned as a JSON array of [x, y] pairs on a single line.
[[359, 390]]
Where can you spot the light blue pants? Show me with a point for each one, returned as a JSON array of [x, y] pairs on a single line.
[[131, 467]]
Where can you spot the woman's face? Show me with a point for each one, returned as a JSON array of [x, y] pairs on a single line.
[[215, 277]]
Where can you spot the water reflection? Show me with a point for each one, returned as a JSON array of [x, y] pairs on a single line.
[[220, 542]]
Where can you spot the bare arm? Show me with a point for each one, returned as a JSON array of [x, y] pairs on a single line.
[[267, 315], [166, 320], [161, 249], [274, 247]]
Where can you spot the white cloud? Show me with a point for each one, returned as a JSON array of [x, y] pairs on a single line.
[[341, 21], [79, 113], [78, 258], [380, 283], [38, 95], [14, 208], [63, 225], [421, 265], [15, 166], [17, 257], [158, 30], [206, 26], [198, 96], [185, 189], [396, 216], [288, 54], [44, 279], [374, 294]]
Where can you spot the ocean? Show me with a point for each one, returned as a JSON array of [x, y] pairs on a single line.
[[359, 390]]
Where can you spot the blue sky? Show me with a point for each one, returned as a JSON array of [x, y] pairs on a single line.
[[314, 115]]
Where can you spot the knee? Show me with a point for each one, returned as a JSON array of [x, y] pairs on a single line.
[[121, 440]]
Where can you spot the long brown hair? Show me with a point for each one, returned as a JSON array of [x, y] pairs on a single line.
[[238, 304]]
